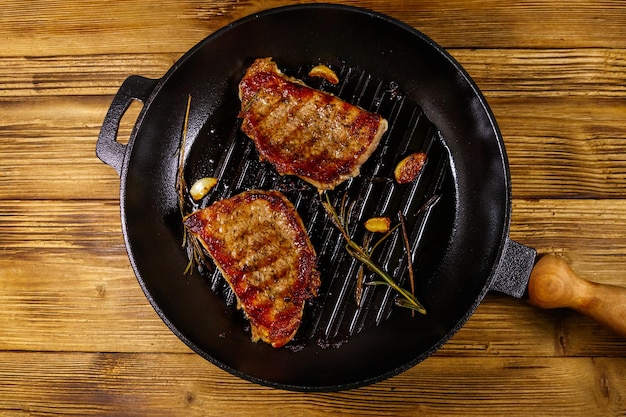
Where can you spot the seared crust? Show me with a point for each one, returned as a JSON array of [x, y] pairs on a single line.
[[303, 131], [260, 245]]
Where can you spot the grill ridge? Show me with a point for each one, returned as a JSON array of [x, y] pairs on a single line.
[[342, 318]]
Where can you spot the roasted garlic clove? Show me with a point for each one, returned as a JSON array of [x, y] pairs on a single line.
[[202, 187], [322, 71], [378, 224], [409, 168]]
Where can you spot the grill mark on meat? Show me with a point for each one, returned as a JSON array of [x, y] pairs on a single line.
[[259, 243], [305, 132]]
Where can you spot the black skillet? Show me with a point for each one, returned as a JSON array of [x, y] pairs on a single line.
[[460, 244]]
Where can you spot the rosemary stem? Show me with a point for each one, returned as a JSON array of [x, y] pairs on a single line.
[[360, 256], [363, 255]]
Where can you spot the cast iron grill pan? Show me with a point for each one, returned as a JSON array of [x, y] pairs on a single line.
[[432, 106]]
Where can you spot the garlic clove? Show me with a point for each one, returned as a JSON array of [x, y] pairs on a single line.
[[202, 187], [378, 224], [409, 168]]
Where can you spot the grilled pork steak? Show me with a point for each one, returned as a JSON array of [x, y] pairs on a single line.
[[259, 243], [305, 132]]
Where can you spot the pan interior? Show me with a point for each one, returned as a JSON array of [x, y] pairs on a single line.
[[335, 316], [431, 105]]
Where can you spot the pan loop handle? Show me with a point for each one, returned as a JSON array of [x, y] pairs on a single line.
[[108, 149]]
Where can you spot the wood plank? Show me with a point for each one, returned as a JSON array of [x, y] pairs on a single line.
[[592, 237], [180, 384], [542, 73], [503, 24], [557, 146], [49, 149], [564, 147], [78, 75], [585, 234], [64, 301], [596, 72], [582, 160], [103, 302], [64, 272], [506, 327], [50, 28]]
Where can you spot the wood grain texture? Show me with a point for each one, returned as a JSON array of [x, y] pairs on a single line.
[[47, 26], [523, 73], [576, 146], [151, 384], [599, 72], [77, 335]]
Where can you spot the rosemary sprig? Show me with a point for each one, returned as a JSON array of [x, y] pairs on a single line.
[[194, 248], [364, 255], [181, 185]]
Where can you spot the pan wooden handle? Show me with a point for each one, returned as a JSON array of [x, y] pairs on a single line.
[[553, 284]]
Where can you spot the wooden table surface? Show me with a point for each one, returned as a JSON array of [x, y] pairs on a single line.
[[77, 335]]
